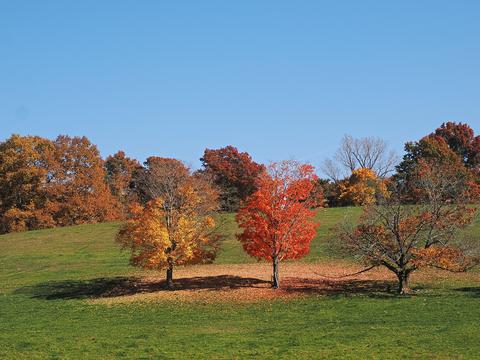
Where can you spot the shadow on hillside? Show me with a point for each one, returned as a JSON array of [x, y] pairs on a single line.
[[336, 288], [123, 286], [474, 291]]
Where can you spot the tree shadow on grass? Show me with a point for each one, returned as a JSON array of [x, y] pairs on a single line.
[[124, 286], [341, 288], [473, 291]]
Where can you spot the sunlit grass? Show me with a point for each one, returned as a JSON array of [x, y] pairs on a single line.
[[440, 321]]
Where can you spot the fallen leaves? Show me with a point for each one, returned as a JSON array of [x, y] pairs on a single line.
[[250, 283]]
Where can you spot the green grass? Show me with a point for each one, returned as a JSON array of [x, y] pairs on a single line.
[[440, 321], [232, 252]]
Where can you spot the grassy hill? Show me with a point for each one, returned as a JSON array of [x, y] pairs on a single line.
[[90, 250], [440, 321]]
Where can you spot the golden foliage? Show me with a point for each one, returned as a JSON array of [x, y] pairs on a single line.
[[162, 235], [362, 188]]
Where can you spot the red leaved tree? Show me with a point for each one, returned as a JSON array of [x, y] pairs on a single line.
[[462, 140], [234, 173], [277, 221]]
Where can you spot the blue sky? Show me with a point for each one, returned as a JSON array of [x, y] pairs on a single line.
[[279, 79]]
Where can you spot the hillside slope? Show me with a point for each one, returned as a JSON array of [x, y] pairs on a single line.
[[63, 295]]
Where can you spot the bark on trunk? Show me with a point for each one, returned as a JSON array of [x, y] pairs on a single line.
[[169, 282], [403, 283], [275, 278]]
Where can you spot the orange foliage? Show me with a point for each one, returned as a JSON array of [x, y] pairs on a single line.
[[452, 145], [120, 170], [276, 220], [77, 189], [462, 140], [47, 183], [450, 182], [447, 258], [24, 168], [405, 237]]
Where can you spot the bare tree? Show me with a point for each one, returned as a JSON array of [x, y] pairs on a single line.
[[368, 152], [403, 238]]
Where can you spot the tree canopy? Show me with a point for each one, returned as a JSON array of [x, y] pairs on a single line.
[[276, 220], [234, 172]]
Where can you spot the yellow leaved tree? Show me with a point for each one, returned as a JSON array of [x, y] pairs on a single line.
[[175, 227], [363, 187]]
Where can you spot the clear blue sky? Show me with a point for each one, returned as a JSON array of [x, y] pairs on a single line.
[[279, 79]]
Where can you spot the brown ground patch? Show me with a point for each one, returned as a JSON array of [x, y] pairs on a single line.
[[251, 283]]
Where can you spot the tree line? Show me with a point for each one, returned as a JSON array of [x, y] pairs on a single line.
[[47, 183], [413, 209]]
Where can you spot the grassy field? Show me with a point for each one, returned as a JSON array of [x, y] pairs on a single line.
[[48, 278]]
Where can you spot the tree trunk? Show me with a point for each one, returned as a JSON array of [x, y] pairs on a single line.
[[275, 278], [403, 283], [169, 282]]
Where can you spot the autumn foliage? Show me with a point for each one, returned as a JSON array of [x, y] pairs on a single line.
[[461, 139], [77, 189], [46, 183], [176, 226], [452, 145], [363, 187], [404, 238], [120, 171], [276, 220], [410, 220], [234, 172]]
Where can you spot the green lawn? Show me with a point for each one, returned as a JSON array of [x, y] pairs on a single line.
[[440, 321], [232, 252]]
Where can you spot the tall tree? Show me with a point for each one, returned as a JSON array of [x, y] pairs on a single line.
[[276, 220], [451, 145], [50, 183], [176, 226], [77, 190], [404, 238], [430, 148], [234, 172], [120, 170], [461, 139], [25, 162]]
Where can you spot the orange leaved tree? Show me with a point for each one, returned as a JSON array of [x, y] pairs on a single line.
[[24, 169], [120, 170], [404, 238], [76, 186], [276, 220], [46, 183], [176, 226]]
